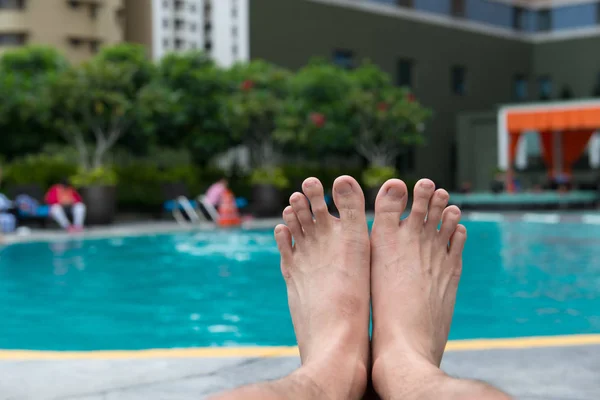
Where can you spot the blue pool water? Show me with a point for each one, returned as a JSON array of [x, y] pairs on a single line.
[[224, 289]]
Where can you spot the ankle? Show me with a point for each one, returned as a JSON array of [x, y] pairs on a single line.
[[337, 378], [405, 376]]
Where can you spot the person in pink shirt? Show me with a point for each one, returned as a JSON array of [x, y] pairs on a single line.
[[61, 197], [215, 192]]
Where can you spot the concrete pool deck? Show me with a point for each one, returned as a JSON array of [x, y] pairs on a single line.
[[550, 373]]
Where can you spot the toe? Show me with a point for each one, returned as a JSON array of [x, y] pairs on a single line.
[[302, 210], [390, 203], [422, 195], [283, 237], [458, 240], [291, 220], [438, 202], [313, 189], [450, 220], [350, 202]]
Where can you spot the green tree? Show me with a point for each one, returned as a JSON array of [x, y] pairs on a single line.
[[386, 120], [97, 103], [256, 100], [25, 118], [315, 116], [193, 89]]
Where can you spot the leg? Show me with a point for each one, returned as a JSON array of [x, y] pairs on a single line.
[[78, 214], [415, 270], [326, 271], [57, 212]]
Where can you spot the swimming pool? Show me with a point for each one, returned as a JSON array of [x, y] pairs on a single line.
[[223, 288]]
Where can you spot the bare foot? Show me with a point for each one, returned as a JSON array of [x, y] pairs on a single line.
[[327, 277], [415, 270]]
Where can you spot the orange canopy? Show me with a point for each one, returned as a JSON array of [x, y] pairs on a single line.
[[565, 130], [554, 119]]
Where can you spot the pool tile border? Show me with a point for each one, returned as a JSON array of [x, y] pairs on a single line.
[[288, 351]]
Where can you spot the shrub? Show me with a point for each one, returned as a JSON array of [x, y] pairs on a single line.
[[41, 169]]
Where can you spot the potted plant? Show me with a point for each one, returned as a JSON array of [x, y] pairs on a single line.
[[251, 109], [95, 105]]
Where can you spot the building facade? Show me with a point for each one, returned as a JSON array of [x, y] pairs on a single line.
[[76, 27], [456, 56], [219, 27]]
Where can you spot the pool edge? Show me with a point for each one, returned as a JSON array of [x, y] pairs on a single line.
[[287, 351]]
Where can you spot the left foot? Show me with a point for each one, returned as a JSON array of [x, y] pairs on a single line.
[[326, 271]]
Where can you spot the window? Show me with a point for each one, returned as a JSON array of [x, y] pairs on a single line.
[[405, 3], [165, 23], [178, 5], [404, 75], [75, 42], [179, 24], [93, 11], [178, 43], [458, 8], [12, 4], [545, 88], [207, 27], [166, 43], [208, 46], [234, 50], [458, 77], [518, 18], [192, 8], [94, 46], [234, 12], [344, 58], [520, 87], [165, 3], [73, 3], [544, 20], [193, 27], [12, 39], [234, 31]]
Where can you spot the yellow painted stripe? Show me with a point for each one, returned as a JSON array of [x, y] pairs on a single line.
[[219, 352]]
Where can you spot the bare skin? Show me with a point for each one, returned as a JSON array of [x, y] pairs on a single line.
[[327, 276], [415, 271], [331, 271]]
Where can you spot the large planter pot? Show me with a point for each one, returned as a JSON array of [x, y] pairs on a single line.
[[101, 202], [266, 200]]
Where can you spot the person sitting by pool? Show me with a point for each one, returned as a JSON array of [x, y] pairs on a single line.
[[406, 274], [63, 198], [212, 199]]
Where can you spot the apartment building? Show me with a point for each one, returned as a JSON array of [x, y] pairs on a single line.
[[456, 55], [76, 27], [219, 27]]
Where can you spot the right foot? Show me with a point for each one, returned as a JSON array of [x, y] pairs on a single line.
[[326, 271], [415, 271]]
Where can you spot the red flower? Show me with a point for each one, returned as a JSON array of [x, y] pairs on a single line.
[[383, 106], [318, 119], [247, 85], [411, 98]]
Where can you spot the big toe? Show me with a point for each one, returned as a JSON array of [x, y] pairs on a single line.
[[350, 201], [390, 204], [424, 189]]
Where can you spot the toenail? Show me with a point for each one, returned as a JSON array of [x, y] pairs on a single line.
[[343, 188], [454, 211], [310, 183], [394, 192], [427, 184], [278, 229], [288, 210]]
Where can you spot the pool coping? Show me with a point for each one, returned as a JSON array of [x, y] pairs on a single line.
[[167, 227], [288, 351]]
